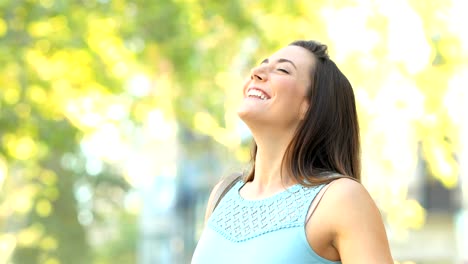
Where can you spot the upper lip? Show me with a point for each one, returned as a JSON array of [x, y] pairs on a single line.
[[258, 89]]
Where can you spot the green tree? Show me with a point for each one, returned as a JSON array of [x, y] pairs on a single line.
[[73, 71]]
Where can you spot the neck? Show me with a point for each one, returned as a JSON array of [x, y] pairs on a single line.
[[271, 148]]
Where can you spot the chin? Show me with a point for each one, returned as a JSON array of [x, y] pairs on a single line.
[[246, 111], [242, 113], [251, 118]]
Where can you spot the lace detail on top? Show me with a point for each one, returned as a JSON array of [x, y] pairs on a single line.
[[239, 220]]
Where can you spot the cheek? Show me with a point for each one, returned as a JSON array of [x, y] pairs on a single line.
[[295, 93], [290, 91], [297, 100], [293, 102], [286, 85]]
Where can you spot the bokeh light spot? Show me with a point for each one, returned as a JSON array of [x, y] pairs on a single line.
[[43, 208], [3, 27], [52, 261], [30, 236], [48, 243]]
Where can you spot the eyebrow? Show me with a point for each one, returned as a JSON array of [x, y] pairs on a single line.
[[280, 60]]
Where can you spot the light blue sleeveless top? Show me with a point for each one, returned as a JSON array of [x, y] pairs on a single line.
[[259, 231]]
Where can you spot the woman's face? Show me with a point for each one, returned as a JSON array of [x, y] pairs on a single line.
[[276, 92]]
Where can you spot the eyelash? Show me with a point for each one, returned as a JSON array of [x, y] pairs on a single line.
[[283, 70]]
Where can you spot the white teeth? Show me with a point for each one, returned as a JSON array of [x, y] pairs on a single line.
[[256, 93]]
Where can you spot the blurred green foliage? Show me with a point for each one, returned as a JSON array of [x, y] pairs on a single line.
[[61, 61]]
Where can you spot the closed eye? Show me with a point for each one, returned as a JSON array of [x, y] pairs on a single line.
[[283, 70]]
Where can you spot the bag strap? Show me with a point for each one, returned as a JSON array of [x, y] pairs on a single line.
[[224, 186]]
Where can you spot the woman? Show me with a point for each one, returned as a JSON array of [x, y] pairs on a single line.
[[301, 111]]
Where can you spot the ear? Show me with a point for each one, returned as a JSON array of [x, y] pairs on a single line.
[[303, 109]]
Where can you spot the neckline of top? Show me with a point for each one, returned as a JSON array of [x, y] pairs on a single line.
[[280, 194]]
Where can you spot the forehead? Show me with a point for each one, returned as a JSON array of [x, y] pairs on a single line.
[[302, 58]]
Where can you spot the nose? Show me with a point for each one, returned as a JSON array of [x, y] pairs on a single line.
[[258, 73]]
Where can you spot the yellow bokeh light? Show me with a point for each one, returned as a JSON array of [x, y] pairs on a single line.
[[3, 171], [204, 122], [30, 236], [243, 154], [407, 214], [52, 261], [49, 26], [11, 95], [141, 110], [120, 69], [46, 3], [3, 27], [21, 200], [48, 243], [226, 137], [103, 38], [48, 177], [36, 94], [22, 204], [442, 166], [7, 246], [21, 148], [43, 208], [39, 29]]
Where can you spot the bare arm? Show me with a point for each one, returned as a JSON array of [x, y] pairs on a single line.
[[360, 235]]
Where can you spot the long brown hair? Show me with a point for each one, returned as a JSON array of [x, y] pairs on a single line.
[[326, 143]]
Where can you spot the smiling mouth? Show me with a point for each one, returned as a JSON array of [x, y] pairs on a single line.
[[254, 93]]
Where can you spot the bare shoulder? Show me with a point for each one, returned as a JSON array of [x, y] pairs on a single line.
[[349, 192], [210, 205], [350, 198], [359, 232]]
